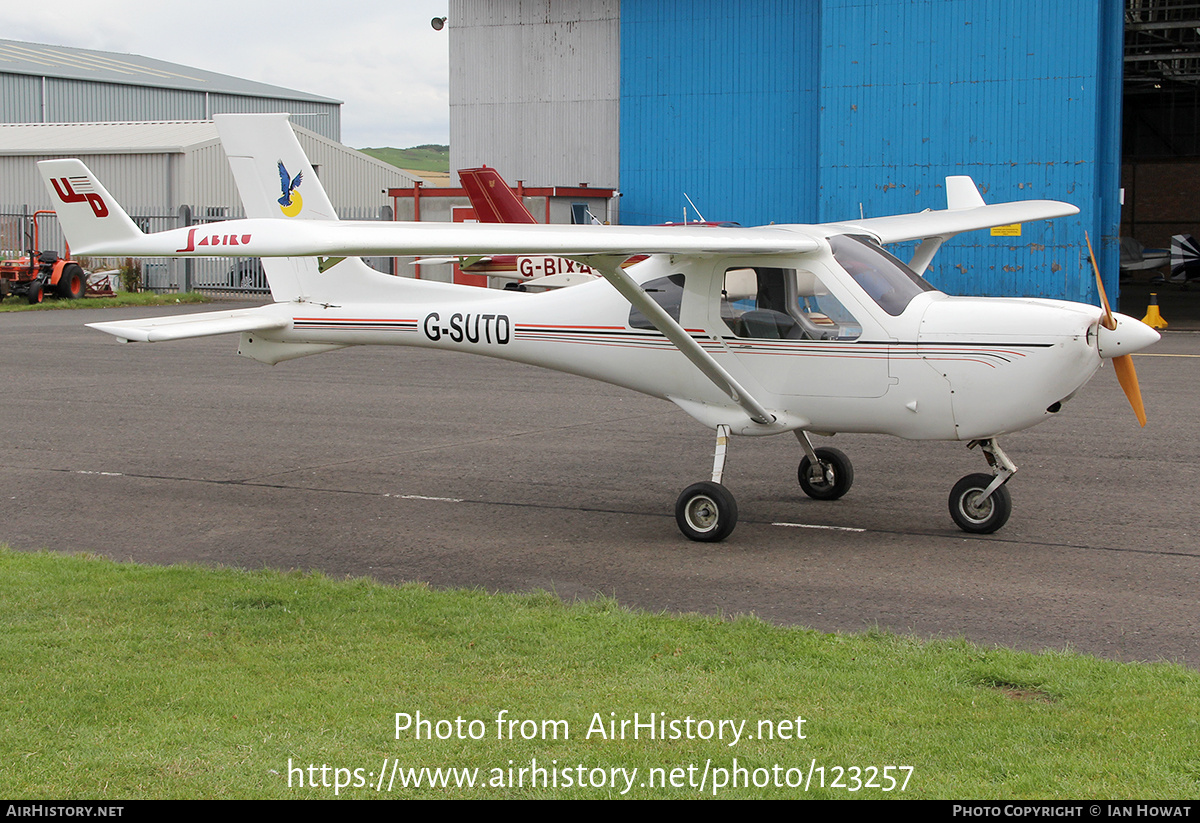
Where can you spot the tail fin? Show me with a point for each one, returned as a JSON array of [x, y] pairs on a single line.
[[272, 172], [492, 199], [88, 214], [275, 179], [1185, 258]]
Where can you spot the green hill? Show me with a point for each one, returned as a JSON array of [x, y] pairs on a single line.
[[418, 158]]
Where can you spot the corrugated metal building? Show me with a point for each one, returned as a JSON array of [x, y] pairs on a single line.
[[535, 89], [144, 126], [818, 110], [165, 165], [57, 84]]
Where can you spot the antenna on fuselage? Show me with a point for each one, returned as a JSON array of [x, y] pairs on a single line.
[[693, 205]]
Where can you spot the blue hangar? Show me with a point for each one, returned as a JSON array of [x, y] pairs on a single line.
[[807, 111]]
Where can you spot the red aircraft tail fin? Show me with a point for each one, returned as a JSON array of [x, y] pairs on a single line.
[[492, 199]]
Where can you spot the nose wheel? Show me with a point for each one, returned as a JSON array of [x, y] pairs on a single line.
[[980, 503], [975, 513]]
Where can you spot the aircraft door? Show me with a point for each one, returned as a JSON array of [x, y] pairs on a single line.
[[797, 337]]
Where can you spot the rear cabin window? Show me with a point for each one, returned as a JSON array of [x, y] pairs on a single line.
[[666, 292], [783, 304]]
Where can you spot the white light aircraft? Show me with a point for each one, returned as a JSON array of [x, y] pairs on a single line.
[[809, 329]]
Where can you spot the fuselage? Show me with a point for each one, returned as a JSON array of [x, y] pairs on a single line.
[[822, 348]]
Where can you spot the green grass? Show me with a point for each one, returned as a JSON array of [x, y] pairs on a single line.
[[122, 298], [125, 681], [418, 158]]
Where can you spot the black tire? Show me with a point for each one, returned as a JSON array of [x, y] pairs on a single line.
[[35, 293], [816, 484], [969, 514], [72, 283], [706, 512]]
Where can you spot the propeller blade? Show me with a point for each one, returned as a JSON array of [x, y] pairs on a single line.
[[1123, 364], [1108, 320], [1127, 377]]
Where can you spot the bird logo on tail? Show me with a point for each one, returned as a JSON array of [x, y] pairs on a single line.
[[291, 202]]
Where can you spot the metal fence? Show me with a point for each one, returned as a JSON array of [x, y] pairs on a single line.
[[16, 232], [229, 275]]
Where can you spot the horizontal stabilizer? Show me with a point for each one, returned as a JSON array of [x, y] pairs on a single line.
[[183, 326]]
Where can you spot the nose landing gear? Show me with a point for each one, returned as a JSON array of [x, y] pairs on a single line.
[[980, 503]]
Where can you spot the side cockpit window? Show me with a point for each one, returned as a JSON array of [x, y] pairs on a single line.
[[783, 304], [666, 292]]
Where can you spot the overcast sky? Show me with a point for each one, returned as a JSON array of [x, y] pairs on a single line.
[[381, 57]]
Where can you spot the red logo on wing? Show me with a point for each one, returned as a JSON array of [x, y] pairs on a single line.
[[214, 240], [68, 194]]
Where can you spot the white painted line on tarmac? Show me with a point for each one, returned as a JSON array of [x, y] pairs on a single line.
[[423, 497], [814, 526]]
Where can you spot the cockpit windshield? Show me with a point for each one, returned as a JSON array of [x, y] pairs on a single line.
[[889, 282]]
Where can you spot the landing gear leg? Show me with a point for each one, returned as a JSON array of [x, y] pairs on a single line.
[[824, 474], [980, 503], [706, 512]]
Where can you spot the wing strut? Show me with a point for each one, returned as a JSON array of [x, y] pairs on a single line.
[[924, 254], [610, 267]]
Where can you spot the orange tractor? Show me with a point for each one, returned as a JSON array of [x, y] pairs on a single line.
[[42, 273]]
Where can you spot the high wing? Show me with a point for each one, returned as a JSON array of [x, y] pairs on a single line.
[[327, 298], [280, 237], [965, 211], [114, 234], [947, 223]]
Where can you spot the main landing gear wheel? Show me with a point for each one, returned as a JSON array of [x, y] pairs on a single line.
[[828, 480], [975, 515], [706, 512]]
